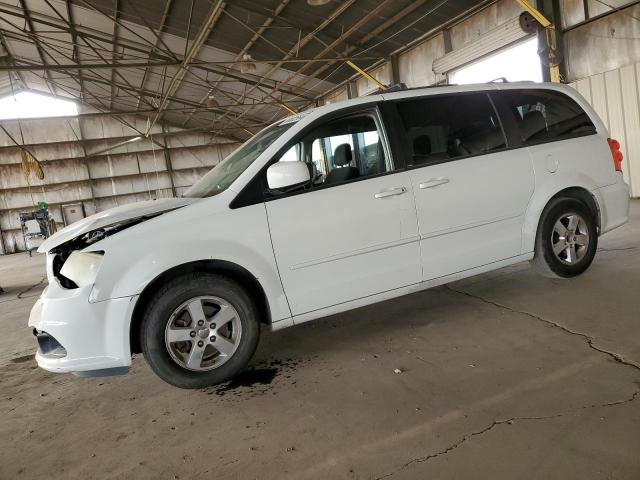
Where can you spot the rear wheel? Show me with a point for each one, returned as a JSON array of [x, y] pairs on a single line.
[[567, 239], [199, 330]]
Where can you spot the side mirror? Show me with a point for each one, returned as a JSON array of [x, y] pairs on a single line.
[[284, 175]]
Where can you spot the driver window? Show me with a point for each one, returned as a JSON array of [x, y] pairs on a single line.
[[341, 150]]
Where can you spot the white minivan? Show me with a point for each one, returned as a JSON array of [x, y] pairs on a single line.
[[325, 211]]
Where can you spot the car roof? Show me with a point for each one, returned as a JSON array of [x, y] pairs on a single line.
[[397, 93], [408, 92]]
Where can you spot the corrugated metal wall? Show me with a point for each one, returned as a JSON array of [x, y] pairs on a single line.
[[615, 95], [132, 172]]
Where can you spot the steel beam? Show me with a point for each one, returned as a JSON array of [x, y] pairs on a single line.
[[116, 9], [197, 64], [158, 35], [79, 31], [29, 24], [252, 41], [194, 49], [167, 159], [307, 38]]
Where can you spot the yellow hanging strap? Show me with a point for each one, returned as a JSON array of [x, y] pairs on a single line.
[[30, 164], [26, 166]]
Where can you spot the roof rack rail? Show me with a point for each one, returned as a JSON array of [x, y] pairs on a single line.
[[393, 88], [400, 87], [396, 88]]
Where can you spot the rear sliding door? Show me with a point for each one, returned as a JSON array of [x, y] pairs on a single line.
[[471, 188]]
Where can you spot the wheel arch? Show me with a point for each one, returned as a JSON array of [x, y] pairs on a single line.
[[229, 269], [586, 195]]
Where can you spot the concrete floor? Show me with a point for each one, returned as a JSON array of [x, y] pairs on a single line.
[[505, 375]]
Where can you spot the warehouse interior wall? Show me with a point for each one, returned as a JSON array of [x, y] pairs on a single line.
[[602, 50], [93, 160]]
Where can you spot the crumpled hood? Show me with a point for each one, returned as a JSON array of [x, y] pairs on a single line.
[[111, 217]]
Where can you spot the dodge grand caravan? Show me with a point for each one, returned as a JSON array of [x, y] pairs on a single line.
[[329, 210]]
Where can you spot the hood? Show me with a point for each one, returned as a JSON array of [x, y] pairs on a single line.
[[111, 217]]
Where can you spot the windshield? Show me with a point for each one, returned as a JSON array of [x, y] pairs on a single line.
[[225, 173]]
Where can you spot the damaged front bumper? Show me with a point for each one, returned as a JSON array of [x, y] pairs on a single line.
[[77, 336]]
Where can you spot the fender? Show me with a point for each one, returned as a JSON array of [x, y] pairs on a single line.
[[551, 186], [136, 256]]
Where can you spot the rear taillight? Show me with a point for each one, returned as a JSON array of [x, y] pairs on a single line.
[[614, 145]]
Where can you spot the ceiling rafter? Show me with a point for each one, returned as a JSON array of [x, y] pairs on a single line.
[[252, 41], [308, 38], [194, 49], [80, 31], [144, 93], [194, 65], [83, 91], [86, 41], [342, 38], [114, 51], [384, 26], [48, 75], [392, 21], [12, 62], [158, 35], [125, 55], [114, 18], [29, 24], [85, 34]]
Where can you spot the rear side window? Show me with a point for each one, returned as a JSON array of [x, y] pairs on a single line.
[[547, 115], [445, 127]]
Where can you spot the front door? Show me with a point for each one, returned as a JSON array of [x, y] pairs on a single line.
[[353, 232], [471, 190]]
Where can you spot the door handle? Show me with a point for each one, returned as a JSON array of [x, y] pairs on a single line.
[[391, 192], [434, 182]]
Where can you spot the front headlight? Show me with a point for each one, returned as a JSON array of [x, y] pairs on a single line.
[[82, 267]]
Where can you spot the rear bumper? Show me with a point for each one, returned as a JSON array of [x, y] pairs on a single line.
[[86, 337], [614, 206]]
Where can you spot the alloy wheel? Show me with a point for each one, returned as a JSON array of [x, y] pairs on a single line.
[[570, 238], [203, 333]]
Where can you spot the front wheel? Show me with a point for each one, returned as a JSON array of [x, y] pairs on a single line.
[[567, 239], [199, 330]]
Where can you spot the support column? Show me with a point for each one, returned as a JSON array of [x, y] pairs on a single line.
[[86, 164], [395, 69], [167, 159], [352, 90], [551, 10]]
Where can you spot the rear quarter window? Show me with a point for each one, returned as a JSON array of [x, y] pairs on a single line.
[[547, 115]]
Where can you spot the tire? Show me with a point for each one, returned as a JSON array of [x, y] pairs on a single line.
[[188, 355], [553, 255]]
